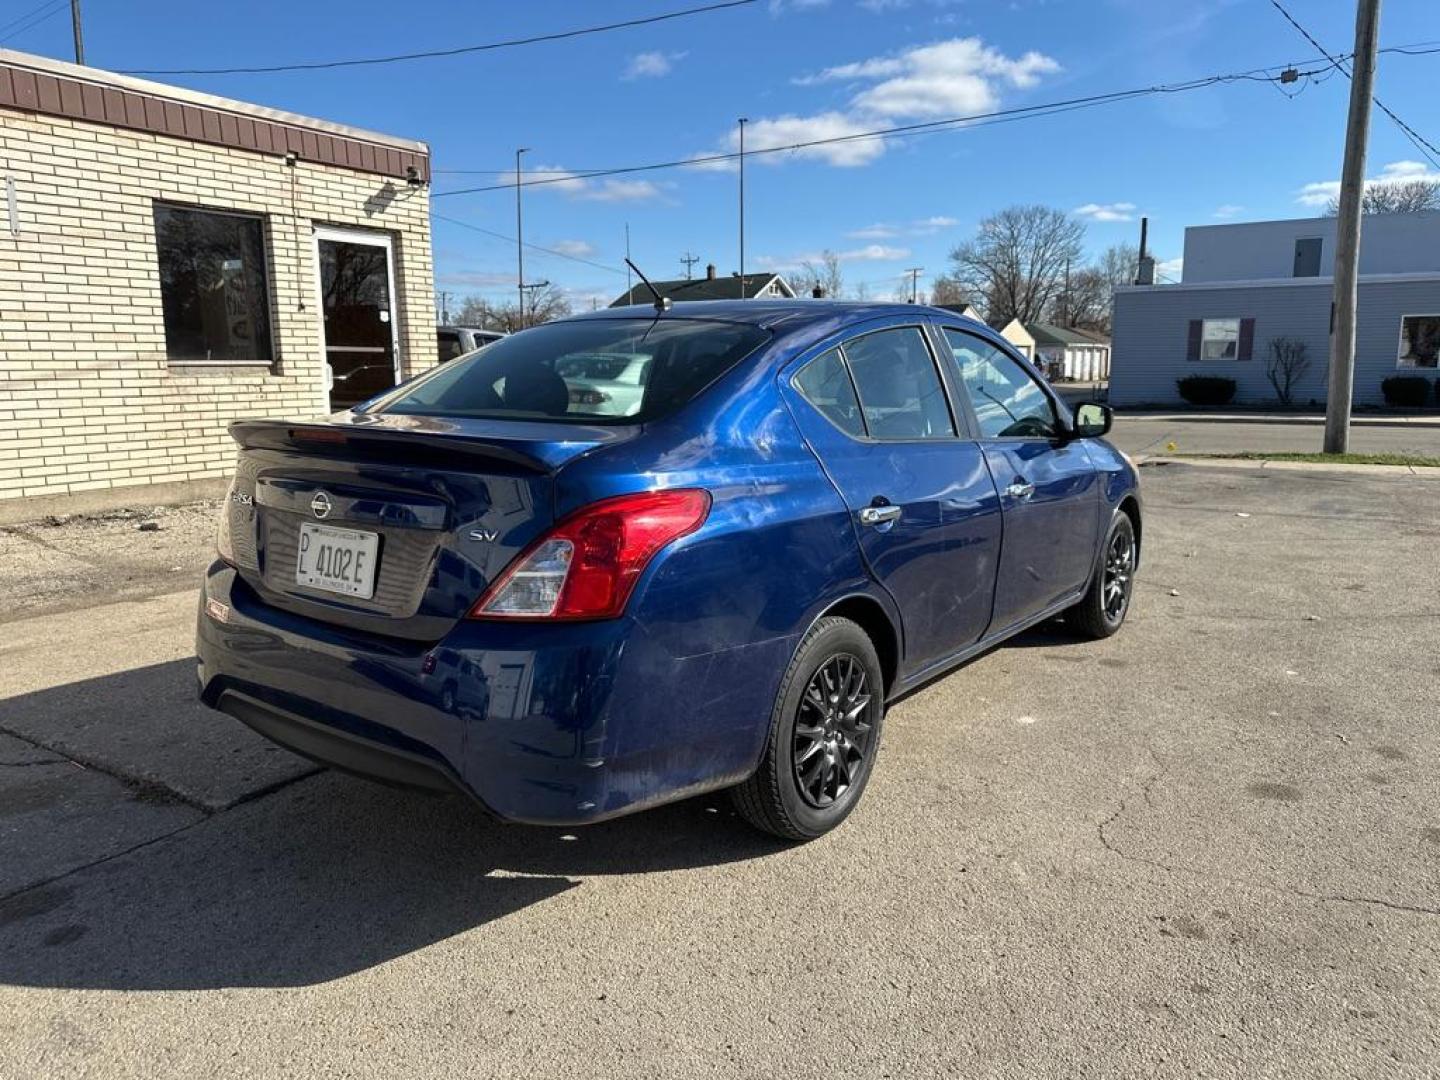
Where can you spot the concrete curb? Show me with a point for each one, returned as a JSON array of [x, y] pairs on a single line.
[[1122, 415], [1394, 471]]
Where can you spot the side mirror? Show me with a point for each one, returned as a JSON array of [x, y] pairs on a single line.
[[1092, 420]]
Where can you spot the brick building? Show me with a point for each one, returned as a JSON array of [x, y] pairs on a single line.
[[170, 261]]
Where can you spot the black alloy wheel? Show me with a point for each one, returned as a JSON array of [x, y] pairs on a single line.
[[824, 735]]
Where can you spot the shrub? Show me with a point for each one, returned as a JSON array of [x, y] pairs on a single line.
[[1206, 389], [1410, 391]]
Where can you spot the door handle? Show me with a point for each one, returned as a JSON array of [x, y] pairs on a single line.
[[879, 515], [1020, 489]]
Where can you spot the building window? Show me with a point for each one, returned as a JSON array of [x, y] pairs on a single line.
[[1219, 339], [213, 287], [1419, 341]]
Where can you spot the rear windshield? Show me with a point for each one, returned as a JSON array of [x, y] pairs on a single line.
[[591, 371]]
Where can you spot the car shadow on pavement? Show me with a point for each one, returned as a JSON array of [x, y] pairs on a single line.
[[323, 878]]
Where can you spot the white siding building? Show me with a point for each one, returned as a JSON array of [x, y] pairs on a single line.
[[1245, 285]]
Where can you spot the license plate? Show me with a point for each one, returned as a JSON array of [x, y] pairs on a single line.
[[337, 560]]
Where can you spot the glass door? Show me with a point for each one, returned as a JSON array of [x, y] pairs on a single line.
[[356, 280]]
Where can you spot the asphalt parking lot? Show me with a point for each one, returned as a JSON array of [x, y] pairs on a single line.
[[1209, 845]]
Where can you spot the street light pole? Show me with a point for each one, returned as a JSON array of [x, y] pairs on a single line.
[[1347, 231], [519, 240], [743, 121]]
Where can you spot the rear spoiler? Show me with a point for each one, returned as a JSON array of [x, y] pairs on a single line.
[[414, 447]]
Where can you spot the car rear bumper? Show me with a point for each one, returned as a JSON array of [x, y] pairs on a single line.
[[546, 724]]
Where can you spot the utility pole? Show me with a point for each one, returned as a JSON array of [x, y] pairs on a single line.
[[519, 240], [1347, 230], [914, 273], [75, 26], [743, 121], [532, 286], [444, 306], [689, 261]]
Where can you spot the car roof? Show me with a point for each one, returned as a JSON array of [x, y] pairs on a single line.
[[774, 314]]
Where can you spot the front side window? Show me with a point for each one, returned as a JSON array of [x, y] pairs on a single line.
[[586, 371], [1008, 403], [214, 291], [1419, 341], [1219, 339], [899, 386], [825, 384]]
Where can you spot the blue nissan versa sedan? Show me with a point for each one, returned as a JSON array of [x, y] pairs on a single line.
[[571, 606]]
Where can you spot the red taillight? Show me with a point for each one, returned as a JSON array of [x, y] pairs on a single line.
[[587, 565]]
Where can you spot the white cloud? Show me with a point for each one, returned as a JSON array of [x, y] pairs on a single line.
[[555, 178], [475, 279], [651, 65], [867, 253], [1226, 210], [1320, 192], [1118, 211], [611, 190], [926, 226], [577, 248], [920, 227], [779, 7], [784, 131], [1173, 269], [959, 76], [874, 232], [874, 253]]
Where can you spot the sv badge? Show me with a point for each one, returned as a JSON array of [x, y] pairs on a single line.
[[485, 536]]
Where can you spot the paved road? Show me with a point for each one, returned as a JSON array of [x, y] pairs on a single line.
[[1142, 434], [1210, 845]]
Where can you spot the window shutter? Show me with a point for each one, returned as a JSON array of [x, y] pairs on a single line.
[[1192, 345], [1247, 339]]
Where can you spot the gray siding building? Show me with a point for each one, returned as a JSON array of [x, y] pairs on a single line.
[[1246, 285]]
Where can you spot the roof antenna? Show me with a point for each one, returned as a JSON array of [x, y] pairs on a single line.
[[662, 303]]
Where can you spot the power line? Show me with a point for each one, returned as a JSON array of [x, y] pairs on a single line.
[[1424, 145], [32, 18], [532, 247], [1423, 48], [536, 39], [973, 120]]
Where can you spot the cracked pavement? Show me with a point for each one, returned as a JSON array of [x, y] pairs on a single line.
[[1209, 845]]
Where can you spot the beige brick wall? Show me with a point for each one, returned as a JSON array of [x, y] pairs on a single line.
[[88, 399]]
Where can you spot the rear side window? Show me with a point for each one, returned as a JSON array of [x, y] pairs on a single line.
[[826, 384], [449, 342], [899, 386], [589, 371], [1008, 402]]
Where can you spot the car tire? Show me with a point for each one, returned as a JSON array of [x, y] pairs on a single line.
[[1107, 601], [824, 735]]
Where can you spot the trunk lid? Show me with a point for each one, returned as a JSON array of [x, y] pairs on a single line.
[[425, 511]]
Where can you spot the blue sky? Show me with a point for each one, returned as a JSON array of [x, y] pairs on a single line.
[[803, 69]]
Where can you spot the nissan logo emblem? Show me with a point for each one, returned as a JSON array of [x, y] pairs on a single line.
[[320, 505]]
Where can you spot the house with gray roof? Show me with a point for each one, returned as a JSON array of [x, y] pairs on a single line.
[[766, 285]]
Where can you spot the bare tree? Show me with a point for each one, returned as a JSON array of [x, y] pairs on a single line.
[[1120, 264], [947, 289], [543, 306], [1017, 261], [1410, 197], [824, 276], [1286, 366], [1085, 302]]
